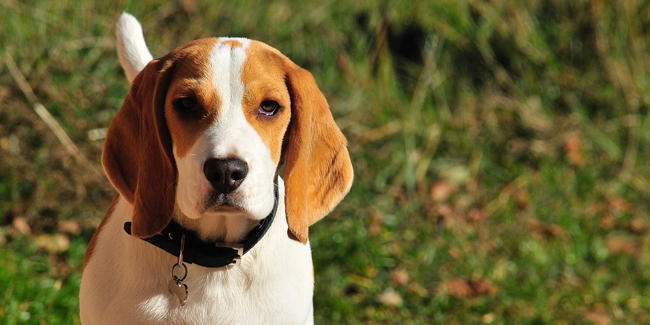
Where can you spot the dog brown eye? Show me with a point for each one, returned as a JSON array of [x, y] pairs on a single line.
[[269, 107], [186, 104]]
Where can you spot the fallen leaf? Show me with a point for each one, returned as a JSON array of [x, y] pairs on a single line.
[[21, 226], [441, 191], [376, 223], [488, 318], [390, 298], [638, 225], [475, 215], [472, 186], [483, 287], [458, 288], [618, 205], [598, 317], [573, 150], [546, 230], [189, 6], [4, 143], [56, 243], [596, 208], [11, 144], [607, 222], [71, 227], [418, 289], [446, 211], [618, 245], [455, 252], [464, 288], [400, 277]]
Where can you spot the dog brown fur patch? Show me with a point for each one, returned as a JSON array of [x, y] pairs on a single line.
[[233, 43], [137, 154], [263, 79], [318, 170], [192, 79]]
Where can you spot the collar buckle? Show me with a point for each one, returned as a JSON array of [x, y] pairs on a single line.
[[238, 247]]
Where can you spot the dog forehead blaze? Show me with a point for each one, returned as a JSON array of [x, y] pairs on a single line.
[[262, 76]]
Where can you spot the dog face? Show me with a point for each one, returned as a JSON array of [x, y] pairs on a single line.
[[205, 129], [227, 122]]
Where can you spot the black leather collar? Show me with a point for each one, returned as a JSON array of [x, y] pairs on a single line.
[[207, 254]]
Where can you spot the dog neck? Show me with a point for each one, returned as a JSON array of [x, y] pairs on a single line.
[[199, 250]]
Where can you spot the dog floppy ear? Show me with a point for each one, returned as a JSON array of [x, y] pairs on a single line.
[[318, 171], [137, 154]]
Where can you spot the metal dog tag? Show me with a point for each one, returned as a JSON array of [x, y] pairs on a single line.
[[178, 289], [176, 285]]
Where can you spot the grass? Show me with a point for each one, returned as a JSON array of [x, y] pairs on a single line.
[[500, 152]]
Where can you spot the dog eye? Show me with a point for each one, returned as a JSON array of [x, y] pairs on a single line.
[[186, 104], [269, 107]]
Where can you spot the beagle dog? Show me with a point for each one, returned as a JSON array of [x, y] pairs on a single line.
[[203, 230]]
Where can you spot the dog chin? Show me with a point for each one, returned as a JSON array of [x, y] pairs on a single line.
[[226, 203], [224, 209], [220, 205], [213, 211]]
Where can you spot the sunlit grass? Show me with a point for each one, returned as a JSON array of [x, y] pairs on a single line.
[[500, 151]]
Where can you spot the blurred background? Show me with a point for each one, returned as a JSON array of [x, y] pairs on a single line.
[[500, 150]]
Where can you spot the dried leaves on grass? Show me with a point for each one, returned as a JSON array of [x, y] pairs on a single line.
[[467, 288]]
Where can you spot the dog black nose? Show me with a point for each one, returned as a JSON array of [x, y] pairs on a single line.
[[225, 175]]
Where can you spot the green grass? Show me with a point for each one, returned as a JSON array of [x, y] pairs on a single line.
[[500, 151], [38, 288]]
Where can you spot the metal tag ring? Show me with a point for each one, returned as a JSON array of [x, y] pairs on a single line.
[[184, 274]]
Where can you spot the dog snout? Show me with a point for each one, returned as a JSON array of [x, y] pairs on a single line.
[[225, 175]]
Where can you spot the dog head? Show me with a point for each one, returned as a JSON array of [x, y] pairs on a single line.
[[205, 129]]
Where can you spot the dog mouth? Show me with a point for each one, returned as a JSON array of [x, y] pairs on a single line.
[[224, 203]]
